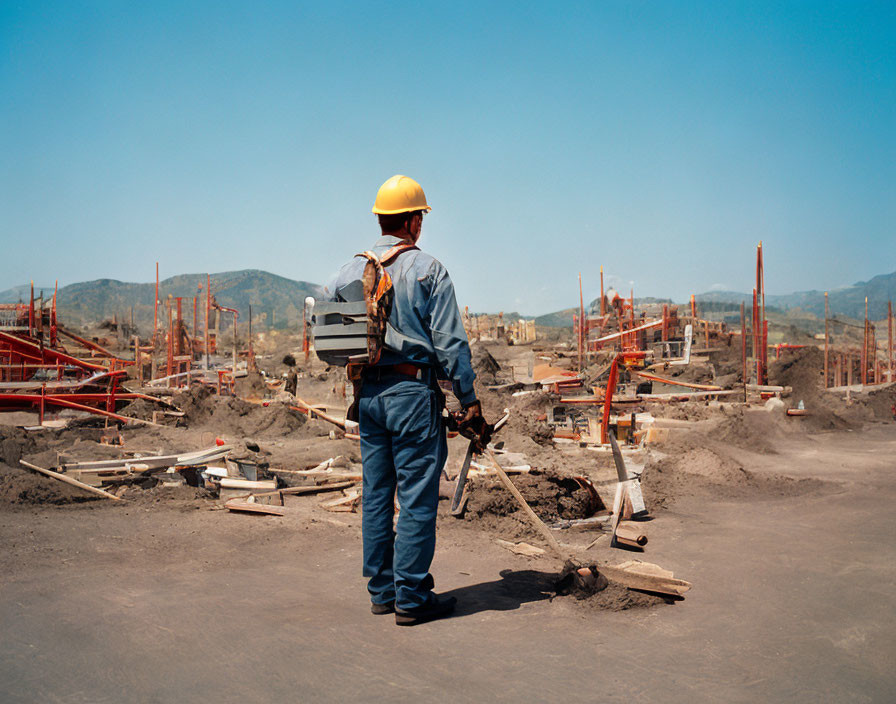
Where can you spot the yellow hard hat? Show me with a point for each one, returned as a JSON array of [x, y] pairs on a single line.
[[400, 194]]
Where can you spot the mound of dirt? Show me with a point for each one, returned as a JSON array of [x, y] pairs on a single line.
[[695, 468], [140, 408], [880, 403], [484, 364], [695, 373], [251, 386], [615, 597], [22, 486], [748, 429], [234, 416], [803, 371], [552, 496]]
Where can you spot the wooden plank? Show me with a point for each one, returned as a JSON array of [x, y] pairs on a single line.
[[246, 507], [235, 483], [645, 576], [675, 382], [68, 480], [317, 489], [342, 503]]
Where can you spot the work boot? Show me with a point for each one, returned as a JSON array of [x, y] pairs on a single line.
[[421, 614], [381, 609]]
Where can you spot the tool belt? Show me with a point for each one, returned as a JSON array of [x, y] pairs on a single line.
[[359, 373], [389, 371]]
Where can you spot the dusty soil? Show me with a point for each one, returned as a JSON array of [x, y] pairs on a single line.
[[98, 600]]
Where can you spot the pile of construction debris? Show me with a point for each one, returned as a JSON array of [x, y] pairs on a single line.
[[640, 408]]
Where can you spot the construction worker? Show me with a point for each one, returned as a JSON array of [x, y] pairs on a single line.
[[403, 442]]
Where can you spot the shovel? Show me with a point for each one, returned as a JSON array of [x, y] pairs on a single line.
[[584, 578]]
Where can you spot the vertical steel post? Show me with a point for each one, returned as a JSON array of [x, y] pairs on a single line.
[[581, 326], [826, 339], [890, 339], [743, 346], [208, 307], [155, 310], [233, 376], [863, 376], [608, 399]]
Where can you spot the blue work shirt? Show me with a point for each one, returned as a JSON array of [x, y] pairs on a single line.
[[424, 326]]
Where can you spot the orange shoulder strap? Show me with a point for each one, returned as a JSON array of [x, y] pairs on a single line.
[[389, 255]]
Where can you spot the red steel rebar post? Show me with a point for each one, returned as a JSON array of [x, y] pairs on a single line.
[[179, 326], [864, 375], [743, 346], [825, 339], [208, 307], [31, 313], [195, 321], [170, 359], [890, 339], [581, 326], [155, 309], [608, 400]]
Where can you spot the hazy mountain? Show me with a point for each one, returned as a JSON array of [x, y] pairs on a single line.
[[272, 297], [848, 301]]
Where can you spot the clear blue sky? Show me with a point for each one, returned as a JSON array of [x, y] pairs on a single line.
[[660, 139]]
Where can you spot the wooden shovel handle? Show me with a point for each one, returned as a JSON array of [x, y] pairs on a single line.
[[530, 514]]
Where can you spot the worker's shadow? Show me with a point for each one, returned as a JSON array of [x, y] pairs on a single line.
[[515, 587]]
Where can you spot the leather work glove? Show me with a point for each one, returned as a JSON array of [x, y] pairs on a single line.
[[471, 424]]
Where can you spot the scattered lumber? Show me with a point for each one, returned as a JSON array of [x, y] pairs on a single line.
[[188, 459], [68, 480]]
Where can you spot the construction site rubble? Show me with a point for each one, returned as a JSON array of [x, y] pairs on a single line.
[[637, 408]]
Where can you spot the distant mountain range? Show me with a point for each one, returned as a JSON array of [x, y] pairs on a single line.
[[274, 299], [848, 301], [277, 300]]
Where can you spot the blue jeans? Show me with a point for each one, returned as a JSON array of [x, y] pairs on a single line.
[[403, 449]]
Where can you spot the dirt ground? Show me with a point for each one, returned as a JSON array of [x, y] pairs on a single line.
[[783, 526]]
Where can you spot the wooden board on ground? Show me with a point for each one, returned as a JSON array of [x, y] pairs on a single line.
[[317, 488], [70, 481], [645, 576], [524, 549], [342, 504], [246, 507]]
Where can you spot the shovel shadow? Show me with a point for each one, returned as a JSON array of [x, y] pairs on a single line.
[[516, 587]]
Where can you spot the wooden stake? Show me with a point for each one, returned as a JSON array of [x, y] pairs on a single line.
[[69, 480]]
